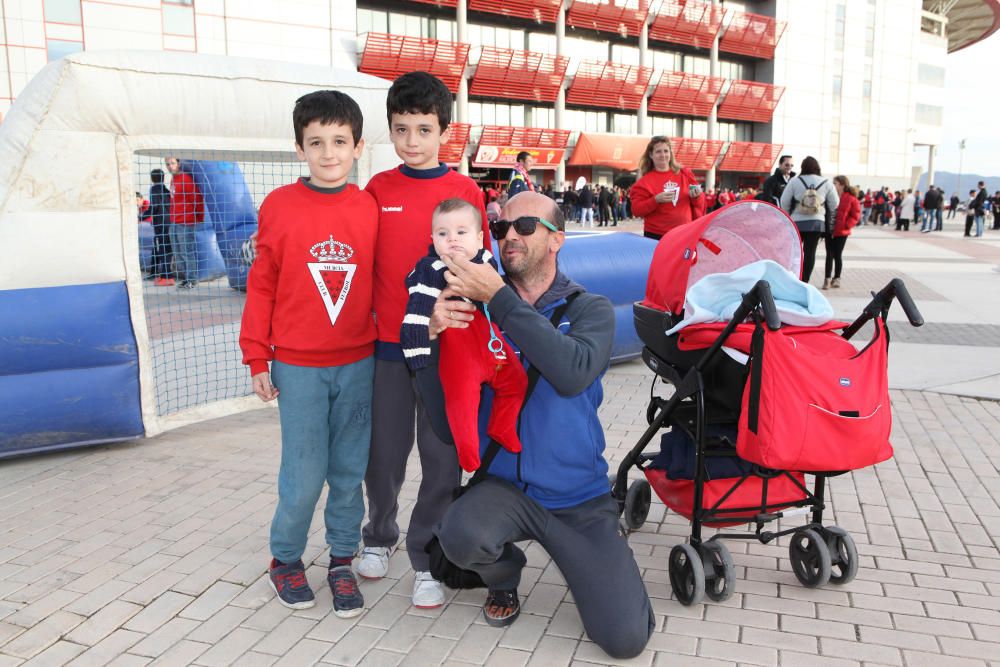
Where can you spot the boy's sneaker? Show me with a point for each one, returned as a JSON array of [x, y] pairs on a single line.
[[347, 599], [373, 562], [428, 593], [502, 608], [289, 583]]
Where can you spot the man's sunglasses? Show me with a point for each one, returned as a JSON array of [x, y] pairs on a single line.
[[524, 226]]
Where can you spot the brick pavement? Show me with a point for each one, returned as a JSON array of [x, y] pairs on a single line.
[[153, 552]]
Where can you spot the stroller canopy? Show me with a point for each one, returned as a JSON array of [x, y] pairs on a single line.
[[720, 242]]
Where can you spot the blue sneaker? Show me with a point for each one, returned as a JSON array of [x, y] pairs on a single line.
[[347, 599], [289, 583]]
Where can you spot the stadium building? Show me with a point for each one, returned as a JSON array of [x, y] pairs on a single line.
[[583, 83]]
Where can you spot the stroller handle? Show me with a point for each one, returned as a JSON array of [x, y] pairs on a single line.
[[880, 303], [759, 294]]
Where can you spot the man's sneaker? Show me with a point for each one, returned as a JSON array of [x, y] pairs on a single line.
[[347, 599], [163, 282], [502, 608], [373, 562], [428, 592], [289, 582]]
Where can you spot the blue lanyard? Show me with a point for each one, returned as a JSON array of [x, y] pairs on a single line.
[[496, 344]]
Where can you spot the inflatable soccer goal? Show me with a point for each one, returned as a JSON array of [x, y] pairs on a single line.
[[100, 341]]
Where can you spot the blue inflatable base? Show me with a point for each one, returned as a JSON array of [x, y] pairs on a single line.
[[69, 368]]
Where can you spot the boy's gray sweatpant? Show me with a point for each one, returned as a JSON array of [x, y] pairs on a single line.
[[395, 412], [479, 529]]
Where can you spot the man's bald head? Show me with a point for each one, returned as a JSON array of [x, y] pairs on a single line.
[[537, 204]]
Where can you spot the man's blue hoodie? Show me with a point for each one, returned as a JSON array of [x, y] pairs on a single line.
[[562, 460]]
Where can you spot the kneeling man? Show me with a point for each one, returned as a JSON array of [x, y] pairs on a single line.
[[555, 491]]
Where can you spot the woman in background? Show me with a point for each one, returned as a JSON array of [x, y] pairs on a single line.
[[667, 194], [848, 215]]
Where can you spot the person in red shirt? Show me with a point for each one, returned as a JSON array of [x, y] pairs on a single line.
[[668, 194], [186, 210], [419, 110], [848, 215], [308, 313]]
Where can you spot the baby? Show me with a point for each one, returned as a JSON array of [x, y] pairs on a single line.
[[468, 357]]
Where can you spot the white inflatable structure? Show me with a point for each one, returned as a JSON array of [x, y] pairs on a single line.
[[75, 365]]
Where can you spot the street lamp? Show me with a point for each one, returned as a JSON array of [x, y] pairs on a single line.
[[961, 149]]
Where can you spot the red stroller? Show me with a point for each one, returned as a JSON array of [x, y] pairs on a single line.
[[799, 400]]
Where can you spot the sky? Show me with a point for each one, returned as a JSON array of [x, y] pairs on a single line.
[[971, 112]]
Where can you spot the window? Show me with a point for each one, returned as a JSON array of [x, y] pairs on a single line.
[[58, 48], [864, 147], [62, 11], [372, 21], [178, 20], [625, 124], [626, 55], [840, 28], [835, 144], [866, 97], [838, 84], [930, 75], [411, 26], [929, 115]]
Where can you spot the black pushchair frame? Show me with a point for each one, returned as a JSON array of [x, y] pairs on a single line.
[[704, 567]]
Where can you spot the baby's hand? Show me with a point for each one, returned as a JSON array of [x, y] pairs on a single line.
[[263, 388]]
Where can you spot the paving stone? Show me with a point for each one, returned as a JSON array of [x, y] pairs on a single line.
[[106, 650], [41, 636]]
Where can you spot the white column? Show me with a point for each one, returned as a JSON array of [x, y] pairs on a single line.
[[713, 120], [462, 100], [931, 150], [561, 97], [643, 119]]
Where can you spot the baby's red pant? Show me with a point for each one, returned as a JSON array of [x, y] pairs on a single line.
[[465, 364]]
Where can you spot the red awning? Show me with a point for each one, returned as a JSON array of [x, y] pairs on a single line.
[[539, 11], [523, 75], [605, 84], [699, 154], [453, 151], [500, 144], [439, 3], [617, 151], [750, 156], [751, 100], [685, 93], [622, 17], [388, 56], [690, 22], [752, 35]]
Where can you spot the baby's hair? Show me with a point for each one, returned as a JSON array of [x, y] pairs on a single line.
[[457, 204]]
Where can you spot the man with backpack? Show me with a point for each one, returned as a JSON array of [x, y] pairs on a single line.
[[811, 201]]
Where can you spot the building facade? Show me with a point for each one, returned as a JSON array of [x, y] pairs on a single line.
[[584, 83]]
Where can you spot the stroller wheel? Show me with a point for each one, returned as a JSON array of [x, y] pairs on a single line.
[[810, 558], [637, 502], [843, 555], [687, 574], [720, 572]]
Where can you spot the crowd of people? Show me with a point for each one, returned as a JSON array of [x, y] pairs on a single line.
[[174, 212]]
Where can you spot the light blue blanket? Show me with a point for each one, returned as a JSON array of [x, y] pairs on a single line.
[[715, 298]]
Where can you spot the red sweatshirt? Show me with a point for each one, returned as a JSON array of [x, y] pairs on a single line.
[[309, 297], [406, 200], [186, 204], [661, 218]]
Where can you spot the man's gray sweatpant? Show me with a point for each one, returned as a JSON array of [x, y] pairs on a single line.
[[395, 411], [479, 529]]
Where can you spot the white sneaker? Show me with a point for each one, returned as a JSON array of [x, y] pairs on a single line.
[[373, 562], [428, 592]]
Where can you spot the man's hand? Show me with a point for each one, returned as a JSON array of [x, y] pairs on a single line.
[[455, 314], [263, 388], [479, 282]]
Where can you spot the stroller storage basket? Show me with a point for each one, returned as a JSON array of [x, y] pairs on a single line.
[[678, 495]]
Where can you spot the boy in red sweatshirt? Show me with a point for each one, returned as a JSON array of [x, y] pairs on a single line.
[[418, 107], [309, 313]]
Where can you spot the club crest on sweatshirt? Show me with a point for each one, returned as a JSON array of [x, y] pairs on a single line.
[[332, 274]]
